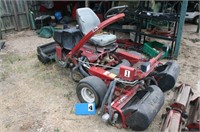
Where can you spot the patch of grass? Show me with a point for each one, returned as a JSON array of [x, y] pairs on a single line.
[[11, 58], [3, 76], [38, 65], [19, 69], [56, 130], [7, 125], [68, 95], [195, 40], [72, 110], [58, 84], [34, 55]]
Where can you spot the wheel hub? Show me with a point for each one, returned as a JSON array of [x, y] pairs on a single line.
[[87, 95]]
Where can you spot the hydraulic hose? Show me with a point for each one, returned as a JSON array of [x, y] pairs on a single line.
[[82, 71], [112, 84], [110, 98], [152, 79]]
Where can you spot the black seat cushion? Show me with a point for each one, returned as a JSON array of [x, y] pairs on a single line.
[[67, 38]]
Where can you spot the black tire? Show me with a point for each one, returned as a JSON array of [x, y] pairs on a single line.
[[196, 20], [94, 85]]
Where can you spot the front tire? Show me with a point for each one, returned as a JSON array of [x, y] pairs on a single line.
[[91, 90]]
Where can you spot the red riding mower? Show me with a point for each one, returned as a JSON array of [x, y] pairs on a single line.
[[127, 86]]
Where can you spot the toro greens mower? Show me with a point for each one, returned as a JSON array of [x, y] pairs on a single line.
[[127, 86]]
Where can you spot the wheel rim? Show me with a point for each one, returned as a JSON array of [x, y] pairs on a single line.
[[88, 95]]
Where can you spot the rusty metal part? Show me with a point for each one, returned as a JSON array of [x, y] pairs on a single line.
[[177, 111], [172, 121], [181, 98], [193, 122]]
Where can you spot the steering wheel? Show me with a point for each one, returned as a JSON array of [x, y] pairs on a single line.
[[115, 10]]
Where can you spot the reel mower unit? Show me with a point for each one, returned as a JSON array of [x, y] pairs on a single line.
[[127, 87]]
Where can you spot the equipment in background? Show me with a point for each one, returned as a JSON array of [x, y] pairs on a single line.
[[182, 114], [193, 121], [41, 21]]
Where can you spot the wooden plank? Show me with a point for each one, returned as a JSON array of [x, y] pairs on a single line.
[[6, 15], [22, 14], [10, 13], [6, 6], [9, 28], [27, 12], [7, 10], [15, 14]]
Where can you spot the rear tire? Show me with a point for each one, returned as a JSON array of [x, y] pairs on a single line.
[[91, 90]]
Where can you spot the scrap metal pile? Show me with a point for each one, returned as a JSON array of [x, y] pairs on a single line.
[[127, 86]]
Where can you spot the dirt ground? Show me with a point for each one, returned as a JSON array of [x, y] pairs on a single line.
[[36, 97]]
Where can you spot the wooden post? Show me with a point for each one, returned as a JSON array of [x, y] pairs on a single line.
[[27, 12], [198, 26]]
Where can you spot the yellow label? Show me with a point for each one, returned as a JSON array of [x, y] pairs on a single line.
[[112, 75]]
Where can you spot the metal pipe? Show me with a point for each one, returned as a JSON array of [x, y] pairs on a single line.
[[180, 27]]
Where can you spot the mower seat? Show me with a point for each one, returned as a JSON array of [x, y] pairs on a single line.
[[87, 21]]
